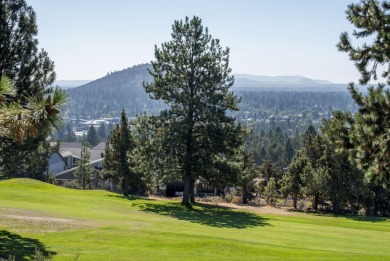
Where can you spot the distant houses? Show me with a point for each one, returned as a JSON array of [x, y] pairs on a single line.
[[64, 162]]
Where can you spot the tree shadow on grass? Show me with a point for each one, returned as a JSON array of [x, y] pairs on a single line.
[[368, 219], [129, 197], [213, 216], [22, 248], [123, 197]]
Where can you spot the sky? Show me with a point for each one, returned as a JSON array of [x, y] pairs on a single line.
[[86, 39]]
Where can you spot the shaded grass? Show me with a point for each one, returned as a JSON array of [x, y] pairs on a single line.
[[205, 214], [21, 248], [105, 226]]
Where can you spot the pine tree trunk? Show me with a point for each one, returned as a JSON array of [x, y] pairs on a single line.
[[188, 169], [295, 200], [335, 206], [186, 193], [315, 203], [243, 194], [125, 186], [192, 192]]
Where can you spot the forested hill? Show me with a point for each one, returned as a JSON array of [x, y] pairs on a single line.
[[105, 97]]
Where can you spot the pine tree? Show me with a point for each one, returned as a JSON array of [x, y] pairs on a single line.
[[249, 171], [372, 18], [292, 182], [102, 131], [20, 59], [191, 74], [92, 136], [34, 105], [365, 135], [83, 172], [270, 191], [118, 163]]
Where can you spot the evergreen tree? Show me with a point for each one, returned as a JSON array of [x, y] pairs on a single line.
[[34, 105], [366, 134], [102, 131], [249, 171], [30, 69], [191, 74], [83, 172], [372, 18], [292, 183], [118, 162], [270, 191], [92, 136], [149, 165], [288, 151], [314, 173], [70, 135]]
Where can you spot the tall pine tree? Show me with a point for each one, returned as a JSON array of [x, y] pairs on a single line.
[[83, 172], [191, 74], [118, 163], [32, 112], [366, 135]]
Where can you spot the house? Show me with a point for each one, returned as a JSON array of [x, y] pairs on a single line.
[[64, 162], [57, 163]]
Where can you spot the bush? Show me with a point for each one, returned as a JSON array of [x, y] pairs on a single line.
[[230, 193]]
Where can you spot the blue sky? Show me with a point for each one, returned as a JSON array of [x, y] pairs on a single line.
[[88, 38]]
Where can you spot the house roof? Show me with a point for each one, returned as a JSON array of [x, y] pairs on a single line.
[[74, 149]]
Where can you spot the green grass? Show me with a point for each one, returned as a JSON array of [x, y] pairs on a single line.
[[100, 225]]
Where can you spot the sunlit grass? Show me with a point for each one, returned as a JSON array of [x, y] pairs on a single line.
[[100, 225]]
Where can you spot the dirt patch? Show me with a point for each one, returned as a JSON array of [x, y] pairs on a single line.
[[20, 220]]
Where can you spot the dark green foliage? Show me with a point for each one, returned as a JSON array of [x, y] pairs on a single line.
[[292, 183], [276, 146], [118, 161], [102, 131], [372, 19], [28, 115], [28, 163], [270, 191], [92, 136], [149, 163], [30, 69], [365, 135], [249, 171], [83, 172], [191, 75]]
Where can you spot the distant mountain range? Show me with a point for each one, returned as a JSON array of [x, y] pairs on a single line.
[[108, 95], [280, 83], [259, 80], [242, 81]]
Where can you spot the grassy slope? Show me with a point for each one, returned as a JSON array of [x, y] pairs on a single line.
[[100, 225]]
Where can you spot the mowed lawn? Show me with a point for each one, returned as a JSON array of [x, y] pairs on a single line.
[[99, 225]]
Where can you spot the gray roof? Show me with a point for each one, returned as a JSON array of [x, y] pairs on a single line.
[[74, 149]]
